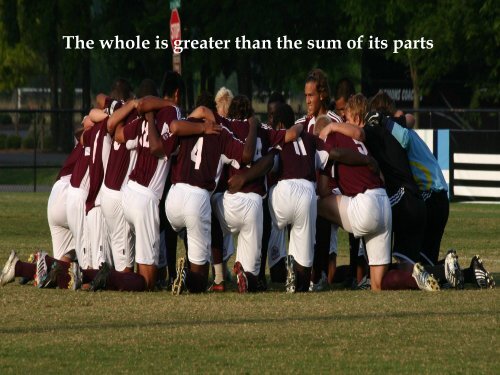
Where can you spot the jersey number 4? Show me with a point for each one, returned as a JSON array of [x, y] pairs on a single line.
[[196, 153]]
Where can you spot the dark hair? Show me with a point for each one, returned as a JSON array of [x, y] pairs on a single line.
[[284, 114], [121, 89], [206, 99], [171, 82], [344, 89], [240, 108], [383, 103], [319, 77], [276, 97], [147, 87]]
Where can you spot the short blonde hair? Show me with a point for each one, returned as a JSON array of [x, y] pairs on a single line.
[[357, 105], [223, 99], [321, 122]]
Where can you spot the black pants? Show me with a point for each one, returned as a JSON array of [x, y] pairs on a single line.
[[408, 226], [438, 210]]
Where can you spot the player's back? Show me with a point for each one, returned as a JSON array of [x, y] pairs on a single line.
[[392, 159], [354, 179], [298, 159], [200, 158]]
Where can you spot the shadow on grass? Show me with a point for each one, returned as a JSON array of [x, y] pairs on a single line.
[[239, 321]]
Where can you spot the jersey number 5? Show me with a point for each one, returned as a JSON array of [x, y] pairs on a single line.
[[196, 153], [361, 147]]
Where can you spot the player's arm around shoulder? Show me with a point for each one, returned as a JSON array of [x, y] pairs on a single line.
[[250, 142]]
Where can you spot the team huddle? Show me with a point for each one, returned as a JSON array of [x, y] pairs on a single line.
[[141, 176]]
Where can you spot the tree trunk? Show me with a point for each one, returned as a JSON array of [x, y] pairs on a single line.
[[244, 74], [416, 92], [86, 34], [53, 65]]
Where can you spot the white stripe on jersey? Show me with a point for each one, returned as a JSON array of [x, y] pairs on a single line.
[[321, 158], [301, 120], [334, 117]]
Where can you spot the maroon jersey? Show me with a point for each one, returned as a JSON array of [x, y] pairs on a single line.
[[70, 161], [122, 156], [111, 105], [267, 139], [149, 170], [98, 159], [80, 175], [201, 157], [352, 180], [301, 158]]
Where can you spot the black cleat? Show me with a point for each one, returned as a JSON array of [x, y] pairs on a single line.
[[100, 279], [483, 278]]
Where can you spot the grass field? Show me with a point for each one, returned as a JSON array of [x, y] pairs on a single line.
[[334, 331]]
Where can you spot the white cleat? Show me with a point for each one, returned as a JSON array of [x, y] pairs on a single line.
[[424, 279], [290, 274], [9, 270], [452, 270]]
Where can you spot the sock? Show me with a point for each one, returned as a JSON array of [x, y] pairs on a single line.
[[196, 282], [63, 280], [25, 269], [252, 282], [278, 271], [125, 281], [398, 280], [88, 275], [437, 271], [302, 278], [219, 273], [342, 273]]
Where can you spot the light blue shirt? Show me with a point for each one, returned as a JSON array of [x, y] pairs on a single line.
[[424, 166]]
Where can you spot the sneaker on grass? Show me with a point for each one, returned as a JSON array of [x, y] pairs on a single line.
[[424, 279], [452, 271], [9, 270], [290, 274], [179, 284], [483, 278]]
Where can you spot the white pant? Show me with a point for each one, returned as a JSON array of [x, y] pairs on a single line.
[[294, 202], [369, 215], [189, 207], [227, 236], [97, 234], [120, 235], [241, 213], [63, 243], [77, 223], [140, 207]]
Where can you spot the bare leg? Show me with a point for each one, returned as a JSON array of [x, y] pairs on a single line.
[[149, 273], [376, 275]]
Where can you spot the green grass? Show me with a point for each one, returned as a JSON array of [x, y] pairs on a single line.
[[329, 332], [25, 176]]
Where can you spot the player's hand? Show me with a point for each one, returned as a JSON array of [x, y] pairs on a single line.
[[373, 165], [235, 183], [211, 127], [325, 132], [87, 123]]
